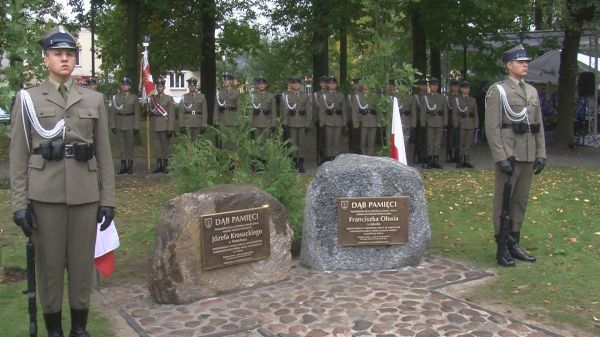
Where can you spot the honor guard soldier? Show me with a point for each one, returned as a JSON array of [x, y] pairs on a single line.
[[162, 113], [296, 111], [92, 83], [332, 116], [404, 105], [417, 124], [452, 134], [227, 107], [193, 113], [263, 116], [513, 125], [317, 98], [365, 117], [62, 181], [434, 112], [464, 108], [354, 144], [125, 122]]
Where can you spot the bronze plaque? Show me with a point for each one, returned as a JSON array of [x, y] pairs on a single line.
[[366, 221], [235, 237]]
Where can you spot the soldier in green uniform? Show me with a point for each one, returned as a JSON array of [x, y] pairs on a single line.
[[404, 105], [125, 122], [417, 124], [227, 107], [332, 116], [62, 180], [434, 112], [162, 113], [92, 83], [365, 117], [193, 113], [513, 125], [317, 98], [263, 113], [296, 111], [354, 140], [452, 134], [466, 121]]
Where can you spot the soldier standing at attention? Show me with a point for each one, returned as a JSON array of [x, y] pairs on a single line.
[[354, 140], [434, 111], [263, 115], [296, 113], [125, 123], [332, 116], [317, 98], [162, 111], [193, 113], [466, 120], [417, 124], [513, 125], [92, 83], [227, 106], [452, 136], [62, 181], [365, 117]]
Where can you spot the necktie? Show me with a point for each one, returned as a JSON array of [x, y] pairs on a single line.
[[63, 92], [522, 86]]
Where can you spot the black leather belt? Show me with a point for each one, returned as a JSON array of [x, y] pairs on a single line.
[[193, 112], [68, 151], [521, 128], [123, 114], [436, 113]]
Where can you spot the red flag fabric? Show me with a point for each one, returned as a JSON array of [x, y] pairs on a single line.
[[397, 150], [105, 263], [107, 241], [146, 81]]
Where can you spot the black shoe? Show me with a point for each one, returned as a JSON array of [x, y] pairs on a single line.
[[54, 324], [123, 169], [301, 165], [130, 167], [502, 255], [159, 166], [429, 162], [515, 250], [459, 161], [165, 169], [78, 323], [436, 163]]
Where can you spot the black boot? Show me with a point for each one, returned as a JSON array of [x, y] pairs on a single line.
[[130, 167], [295, 161], [515, 250], [301, 165], [436, 162], [429, 162], [78, 323], [466, 163], [502, 255], [459, 161], [54, 324], [165, 166], [123, 167], [159, 166]]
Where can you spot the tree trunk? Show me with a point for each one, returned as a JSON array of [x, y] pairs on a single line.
[[344, 56], [208, 66], [567, 84], [436, 63], [131, 62], [538, 14], [419, 42], [320, 42]]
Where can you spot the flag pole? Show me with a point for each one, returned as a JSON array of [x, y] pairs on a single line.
[[145, 44]]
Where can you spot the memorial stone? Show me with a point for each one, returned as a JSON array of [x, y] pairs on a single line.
[[218, 240], [362, 178]]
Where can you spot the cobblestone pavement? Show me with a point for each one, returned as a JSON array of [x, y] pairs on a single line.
[[405, 302]]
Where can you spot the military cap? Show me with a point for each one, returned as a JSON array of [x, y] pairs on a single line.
[[91, 81], [58, 38], [434, 81], [422, 81], [454, 82], [465, 84], [516, 53], [192, 81], [228, 76], [260, 79], [332, 79], [323, 78], [160, 82], [125, 80], [295, 79]]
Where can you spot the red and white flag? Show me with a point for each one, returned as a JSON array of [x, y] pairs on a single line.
[[146, 81], [107, 242], [397, 150]]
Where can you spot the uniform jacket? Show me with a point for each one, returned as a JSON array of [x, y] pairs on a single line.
[[159, 122], [125, 111], [434, 103], [300, 103], [415, 110], [193, 111], [450, 98], [266, 106], [66, 181], [228, 99], [504, 143], [404, 105], [361, 112], [332, 101], [464, 110]]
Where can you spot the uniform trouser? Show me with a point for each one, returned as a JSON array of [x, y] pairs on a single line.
[[452, 141], [161, 144], [125, 140], [434, 141], [466, 135], [367, 140], [333, 134], [297, 136], [521, 182], [65, 237], [192, 133]]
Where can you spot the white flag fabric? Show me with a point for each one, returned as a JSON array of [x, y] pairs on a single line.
[[397, 150], [107, 240]]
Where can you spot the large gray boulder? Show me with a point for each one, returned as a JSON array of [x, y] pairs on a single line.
[[351, 175], [177, 276]]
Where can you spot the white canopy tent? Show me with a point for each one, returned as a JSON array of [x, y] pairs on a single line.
[[544, 69]]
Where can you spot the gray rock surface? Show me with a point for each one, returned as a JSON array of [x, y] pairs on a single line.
[[351, 175], [177, 276]]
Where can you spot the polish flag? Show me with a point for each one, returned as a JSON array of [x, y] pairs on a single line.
[[397, 150], [107, 242], [146, 81]]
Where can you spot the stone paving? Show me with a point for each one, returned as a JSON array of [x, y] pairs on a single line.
[[405, 302]]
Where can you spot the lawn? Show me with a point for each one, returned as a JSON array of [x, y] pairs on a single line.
[[562, 229]]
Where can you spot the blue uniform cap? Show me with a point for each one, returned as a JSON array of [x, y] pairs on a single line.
[[58, 38], [192, 81], [517, 53], [160, 82], [125, 80]]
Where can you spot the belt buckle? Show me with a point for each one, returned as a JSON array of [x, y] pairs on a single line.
[[69, 151], [193, 112]]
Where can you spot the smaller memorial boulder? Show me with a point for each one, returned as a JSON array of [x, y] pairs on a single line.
[[220, 239], [372, 225]]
